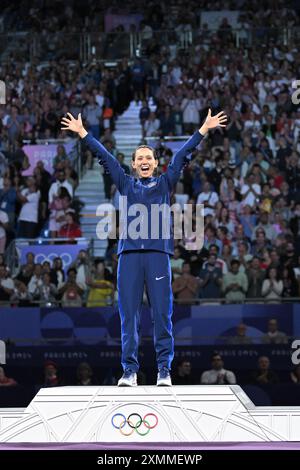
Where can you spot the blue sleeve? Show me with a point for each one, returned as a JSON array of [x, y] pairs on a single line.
[[109, 162], [180, 159]]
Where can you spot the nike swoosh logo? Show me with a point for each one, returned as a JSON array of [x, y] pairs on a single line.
[[158, 278]]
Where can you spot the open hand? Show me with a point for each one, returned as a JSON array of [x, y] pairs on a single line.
[[219, 120], [72, 124]]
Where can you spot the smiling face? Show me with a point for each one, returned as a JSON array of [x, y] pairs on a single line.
[[144, 162]]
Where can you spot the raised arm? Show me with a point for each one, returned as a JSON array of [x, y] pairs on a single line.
[[105, 158], [178, 161]]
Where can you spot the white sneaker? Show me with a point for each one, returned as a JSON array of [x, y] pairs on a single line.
[[128, 379], [164, 378]]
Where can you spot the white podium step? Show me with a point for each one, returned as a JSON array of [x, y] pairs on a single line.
[[196, 413]]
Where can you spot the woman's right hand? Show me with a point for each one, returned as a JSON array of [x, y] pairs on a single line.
[[72, 124]]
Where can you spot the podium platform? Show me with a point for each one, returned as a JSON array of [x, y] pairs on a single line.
[[199, 413]]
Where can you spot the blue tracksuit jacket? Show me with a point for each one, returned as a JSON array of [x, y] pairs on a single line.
[[145, 260], [146, 191]]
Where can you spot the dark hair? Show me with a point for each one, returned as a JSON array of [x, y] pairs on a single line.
[[98, 261], [213, 245], [223, 229], [71, 270], [182, 361], [63, 192], [145, 147], [277, 273], [235, 261], [215, 354]]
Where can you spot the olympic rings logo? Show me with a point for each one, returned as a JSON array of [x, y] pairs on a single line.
[[65, 257], [134, 423]]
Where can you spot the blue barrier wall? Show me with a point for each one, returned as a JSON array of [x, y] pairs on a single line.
[[193, 325]]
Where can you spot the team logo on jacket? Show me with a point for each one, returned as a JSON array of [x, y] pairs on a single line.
[[150, 185]]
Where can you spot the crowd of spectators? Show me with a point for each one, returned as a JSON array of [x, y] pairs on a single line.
[[29, 204], [262, 375], [84, 282], [247, 175]]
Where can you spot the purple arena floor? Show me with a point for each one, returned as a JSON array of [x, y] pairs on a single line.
[[154, 446]]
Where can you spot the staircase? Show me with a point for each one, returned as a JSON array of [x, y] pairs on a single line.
[[128, 135]]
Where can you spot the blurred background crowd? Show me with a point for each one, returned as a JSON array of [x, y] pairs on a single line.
[[170, 63]]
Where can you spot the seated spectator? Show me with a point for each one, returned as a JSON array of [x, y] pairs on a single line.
[[260, 243], [51, 375], [243, 255], [210, 279], [46, 293], [190, 107], [6, 381], [71, 175], [92, 114], [265, 225], [59, 206], [255, 277], [82, 264], [8, 198], [28, 218], [186, 286], [151, 126], [220, 263], [46, 268], [176, 263], [273, 335], [4, 224], [289, 257], [272, 286], [290, 285], [295, 375], [235, 283], [60, 182], [240, 337], [210, 237], [101, 291], [21, 295], [227, 190], [121, 157], [167, 122], [85, 375], [223, 235], [181, 197], [70, 229], [227, 256], [60, 157], [26, 272], [263, 375], [58, 271], [223, 220], [6, 284], [71, 291], [248, 220], [208, 198], [250, 192], [36, 281], [238, 236], [217, 375], [183, 375]]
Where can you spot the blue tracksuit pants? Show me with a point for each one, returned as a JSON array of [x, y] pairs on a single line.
[[136, 269]]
